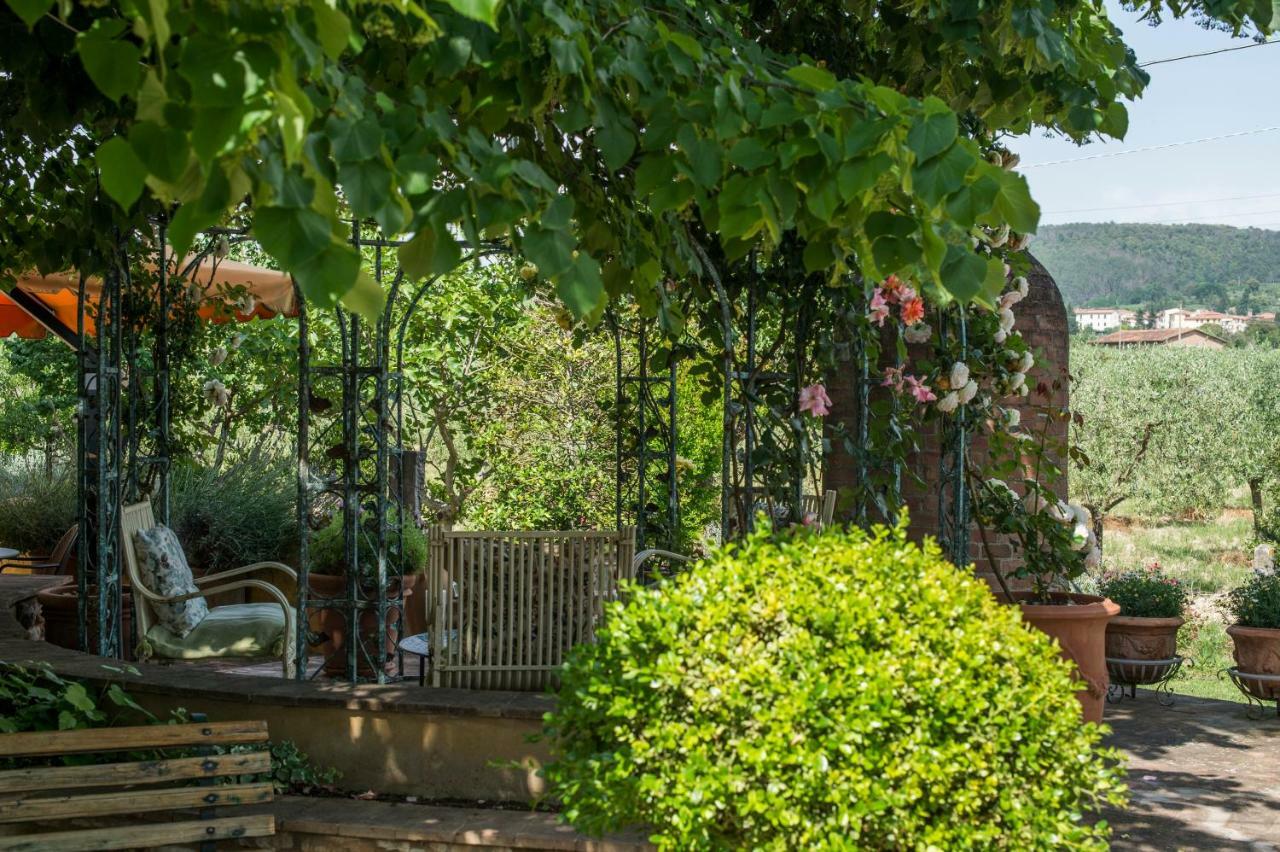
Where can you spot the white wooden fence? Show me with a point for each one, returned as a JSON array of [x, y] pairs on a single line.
[[509, 605]]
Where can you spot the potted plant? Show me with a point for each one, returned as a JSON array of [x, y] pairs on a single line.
[[1055, 545], [328, 578], [1256, 633], [1146, 629]]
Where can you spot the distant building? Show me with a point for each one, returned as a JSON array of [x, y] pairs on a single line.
[[1101, 319], [1175, 318], [1160, 337]]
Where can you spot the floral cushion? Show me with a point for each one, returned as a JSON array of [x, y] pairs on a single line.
[[164, 570]]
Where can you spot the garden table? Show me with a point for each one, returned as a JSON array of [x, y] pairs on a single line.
[[419, 645]]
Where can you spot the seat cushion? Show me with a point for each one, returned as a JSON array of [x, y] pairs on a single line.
[[238, 630], [164, 570]]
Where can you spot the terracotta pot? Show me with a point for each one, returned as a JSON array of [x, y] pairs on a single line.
[[333, 624], [1257, 651], [59, 607], [1079, 623], [1133, 638], [415, 611]]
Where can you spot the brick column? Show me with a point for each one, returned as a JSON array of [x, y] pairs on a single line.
[[1042, 320]]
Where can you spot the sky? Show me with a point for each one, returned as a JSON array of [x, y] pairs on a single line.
[[1230, 181]]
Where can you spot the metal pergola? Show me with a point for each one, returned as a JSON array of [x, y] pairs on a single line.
[[351, 461]]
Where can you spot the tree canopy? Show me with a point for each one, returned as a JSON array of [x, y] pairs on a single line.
[[611, 142]]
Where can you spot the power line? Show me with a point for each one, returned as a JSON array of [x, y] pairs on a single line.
[[1158, 204], [1207, 53], [1109, 154]]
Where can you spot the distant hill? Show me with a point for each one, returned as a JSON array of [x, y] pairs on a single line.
[[1158, 266]]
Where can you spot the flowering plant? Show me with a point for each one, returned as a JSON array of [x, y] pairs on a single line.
[[1145, 592], [1257, 602]]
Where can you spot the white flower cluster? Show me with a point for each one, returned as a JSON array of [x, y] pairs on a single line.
[[1080, 520], [216, 393], [964, 388]]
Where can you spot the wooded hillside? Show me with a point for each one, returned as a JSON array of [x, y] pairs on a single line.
[[1161, 265]]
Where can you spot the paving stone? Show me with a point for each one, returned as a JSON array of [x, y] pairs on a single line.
[[1202, 775]]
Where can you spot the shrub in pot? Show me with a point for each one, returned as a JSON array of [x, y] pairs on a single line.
[[1256, 632], [807, 690], [328, 578], [1056, 545], [1146, 629]]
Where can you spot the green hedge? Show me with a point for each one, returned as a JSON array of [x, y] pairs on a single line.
[[841, 690]]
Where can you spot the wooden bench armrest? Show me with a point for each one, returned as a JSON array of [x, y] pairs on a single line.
[[248, 569]]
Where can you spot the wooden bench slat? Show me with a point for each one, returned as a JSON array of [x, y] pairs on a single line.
[[142, 836], [132, 801], [45, 743], [137, 772]]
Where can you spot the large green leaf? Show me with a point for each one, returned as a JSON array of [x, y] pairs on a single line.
[[113, 65], [294, 236], [485, 11], [942, 175], [123, 174], [580, 287], [932, 133], [432, 251], [164, 150], [1015, 204], [333, 28], [30, 11], [616, 144], [552, 251], [813, 77], [353, 139], [963, 273]]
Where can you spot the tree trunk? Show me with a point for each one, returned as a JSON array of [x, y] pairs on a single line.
[[1096, 511], [1255, 496]]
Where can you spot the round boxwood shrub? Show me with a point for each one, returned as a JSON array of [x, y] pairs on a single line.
[[827, 691]]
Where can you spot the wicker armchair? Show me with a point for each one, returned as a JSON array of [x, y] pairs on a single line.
[[236, 631]]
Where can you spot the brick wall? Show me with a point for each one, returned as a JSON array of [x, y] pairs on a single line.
[[1042, 319]]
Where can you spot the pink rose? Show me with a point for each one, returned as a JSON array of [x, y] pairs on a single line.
[[814, 400]]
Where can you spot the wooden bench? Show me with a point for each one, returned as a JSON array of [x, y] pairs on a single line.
[[101, 793]]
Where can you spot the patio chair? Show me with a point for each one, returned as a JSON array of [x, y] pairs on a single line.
[[56, 562], [510, 605], [821, 506], [235, 631]]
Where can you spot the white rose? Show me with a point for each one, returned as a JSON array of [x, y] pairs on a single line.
[[1006, 319], [999, 237], [1094, 558], [1017, 384], [959, 374], [948, 403], [1003, 487], [1028, 361], [1079, 537], [1023, 285], [1008, 300], [1060, 512], [1033, 501], [215, 393], [1081, 514], [217, 356], [1012, 418], [1001, 335], [968, 392]]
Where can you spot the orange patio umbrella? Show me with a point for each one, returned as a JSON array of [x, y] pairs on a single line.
[[219, 285]]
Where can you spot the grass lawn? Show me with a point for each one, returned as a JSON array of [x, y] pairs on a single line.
[[1211, 557]]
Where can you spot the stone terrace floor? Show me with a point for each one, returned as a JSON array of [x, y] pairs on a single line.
[[1203, 775]]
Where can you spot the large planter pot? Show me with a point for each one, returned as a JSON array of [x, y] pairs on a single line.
[[1079, 623], [415, 605], [1142, 639], [1257, 651], [332, 624], [60, 609]]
